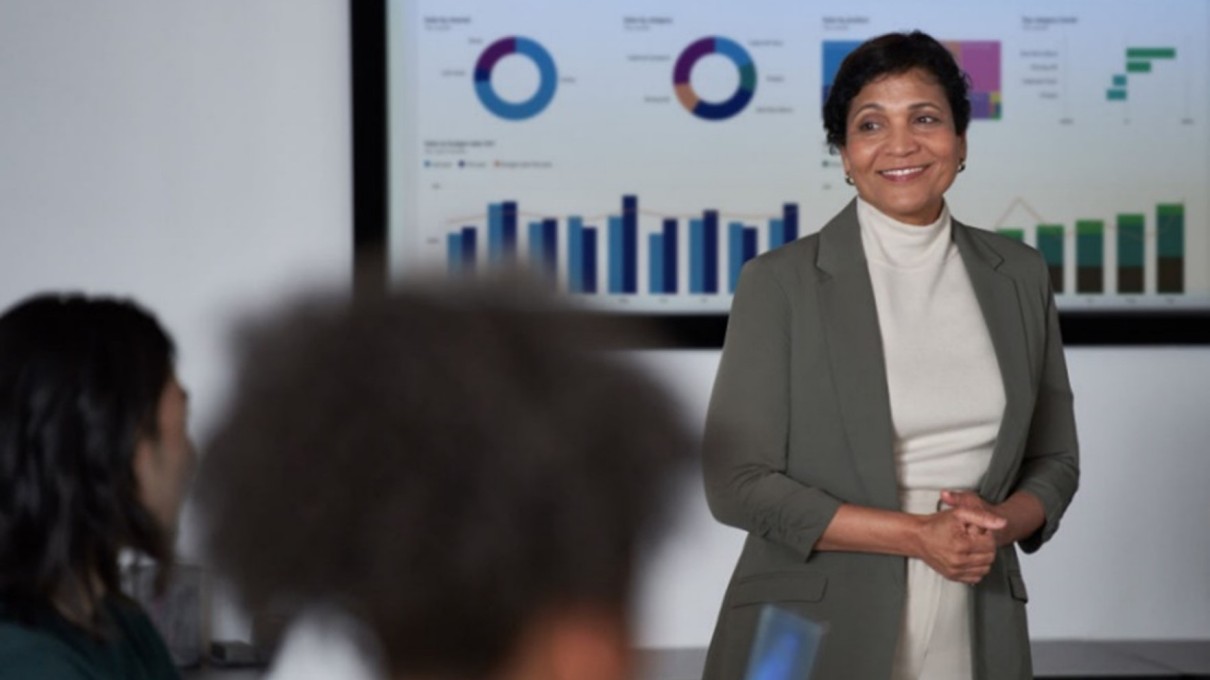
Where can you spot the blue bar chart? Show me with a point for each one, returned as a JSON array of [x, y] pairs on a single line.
[[699, 254], [741, 247]]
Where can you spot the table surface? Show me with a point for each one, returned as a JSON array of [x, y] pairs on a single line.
[[1059, 659]]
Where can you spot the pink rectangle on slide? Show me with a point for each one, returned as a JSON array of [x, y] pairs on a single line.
[[981, 60]]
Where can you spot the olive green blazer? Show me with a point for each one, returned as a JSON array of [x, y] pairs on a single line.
[[799, 422]]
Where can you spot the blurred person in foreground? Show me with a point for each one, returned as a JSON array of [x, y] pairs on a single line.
[[94, 460], [892, 413], [447, 485]]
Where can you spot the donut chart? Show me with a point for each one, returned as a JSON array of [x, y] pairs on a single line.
[[548, 77], [738, 56]]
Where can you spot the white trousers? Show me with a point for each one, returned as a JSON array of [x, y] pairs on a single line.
[[935, 640]]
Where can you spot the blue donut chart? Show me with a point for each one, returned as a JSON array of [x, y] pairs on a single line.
[[724, 47], [548, 78]]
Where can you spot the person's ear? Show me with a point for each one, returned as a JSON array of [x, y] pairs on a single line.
[[146, 466]]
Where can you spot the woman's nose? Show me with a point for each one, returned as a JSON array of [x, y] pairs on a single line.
[[902, 141]]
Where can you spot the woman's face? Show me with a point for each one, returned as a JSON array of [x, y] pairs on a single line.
[[164, 464], [901, 149]]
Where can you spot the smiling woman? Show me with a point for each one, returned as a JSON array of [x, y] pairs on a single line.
[[903, 149], [892, 411]]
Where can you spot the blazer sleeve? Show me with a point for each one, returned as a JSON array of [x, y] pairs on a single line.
[[747, 425], [1051, 466]]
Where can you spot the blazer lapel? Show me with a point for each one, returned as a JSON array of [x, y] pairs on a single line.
[[850, 321], [1001, 305]]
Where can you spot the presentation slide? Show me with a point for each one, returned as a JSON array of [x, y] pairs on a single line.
[[636, 154]]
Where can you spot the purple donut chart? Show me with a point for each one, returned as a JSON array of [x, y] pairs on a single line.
[[724, 47]]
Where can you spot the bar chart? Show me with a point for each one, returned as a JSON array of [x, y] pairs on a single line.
[[1139, 61], [595, 255], [701, 254], [1142, 243]]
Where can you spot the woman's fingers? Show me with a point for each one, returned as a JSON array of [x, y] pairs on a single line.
[[955, 552], [969, 574], [961, 499], [982, 519], [973, 560]]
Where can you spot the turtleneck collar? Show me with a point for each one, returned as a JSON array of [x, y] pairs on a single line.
[[896, 244]]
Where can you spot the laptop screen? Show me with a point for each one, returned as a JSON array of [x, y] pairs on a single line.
[[785, 646]]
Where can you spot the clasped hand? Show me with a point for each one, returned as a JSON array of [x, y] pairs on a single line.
[[960, 542]]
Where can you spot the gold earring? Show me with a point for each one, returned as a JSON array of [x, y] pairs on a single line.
[[849, 180], [961, 165]]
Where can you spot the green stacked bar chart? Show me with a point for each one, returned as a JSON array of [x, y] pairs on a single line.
[[1090, 256], [1131, 269], [1170, 247], [1050, 243], [1130, 255]]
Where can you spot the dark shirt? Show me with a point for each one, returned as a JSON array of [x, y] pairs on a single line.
[[48, 647]]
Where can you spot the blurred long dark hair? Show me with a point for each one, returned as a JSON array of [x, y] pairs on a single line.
[[80, 384]]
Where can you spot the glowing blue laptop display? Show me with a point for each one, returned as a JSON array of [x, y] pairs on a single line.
[[785, 647]]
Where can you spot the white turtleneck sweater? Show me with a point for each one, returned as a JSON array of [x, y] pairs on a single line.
[[947, 397], [947, 402]]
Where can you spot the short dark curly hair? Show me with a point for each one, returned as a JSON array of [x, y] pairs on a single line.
[[894, 54], [80, 384], [445, 467]]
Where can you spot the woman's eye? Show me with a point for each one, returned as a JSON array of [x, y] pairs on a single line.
[[867, 125], [927, 119]]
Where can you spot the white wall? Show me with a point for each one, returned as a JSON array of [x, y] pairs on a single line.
[[1131, 560], [195, 155]]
